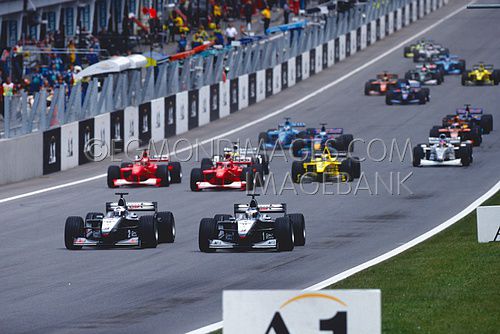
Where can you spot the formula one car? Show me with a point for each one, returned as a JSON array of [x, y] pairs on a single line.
[[318, 139], [221, 173], [252, 227], [381, 84], [450, 64], [410, 50], [242, 154], [460, 131], [442, 151], [428, 52], [121, 226], [322, 166], [408, 92], [145, 171], [283, 136], [472, 117], [481, 75], [426, 75]]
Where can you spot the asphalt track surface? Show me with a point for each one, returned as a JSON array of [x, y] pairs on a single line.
[[175, 288]]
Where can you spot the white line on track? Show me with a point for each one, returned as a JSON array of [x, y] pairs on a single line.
[[259, 120], [405, 246]]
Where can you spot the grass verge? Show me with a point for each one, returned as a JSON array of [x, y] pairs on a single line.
[[447, 284]]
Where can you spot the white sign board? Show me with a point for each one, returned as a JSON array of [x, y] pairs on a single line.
[[158, 119], [261, 85], [407, 15], [69, 145], [342, 47], [305, 65], [291, 72], [243, 92], [488, 223], [363, 37], [224, 107], [373, 31], [181, 113], [399, 18], [277, 79], [204, 106], [131, 128], [353, 42], [331, 52], [289, 311], [102, 136], [319, 59]]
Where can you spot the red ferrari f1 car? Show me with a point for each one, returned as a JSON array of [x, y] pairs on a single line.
[[226, 173], [382, 84], [145, 171]]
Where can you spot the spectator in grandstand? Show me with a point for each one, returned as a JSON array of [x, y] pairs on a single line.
[[286, 13], [231, 33], [248, 11], [182, 43], [266, 16]]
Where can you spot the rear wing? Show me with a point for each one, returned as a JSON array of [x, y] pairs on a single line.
[[453, 141], [264, 208], [294, 125], [488, 67], [134, 206], [154, 158], [472, 111], [388, 75]]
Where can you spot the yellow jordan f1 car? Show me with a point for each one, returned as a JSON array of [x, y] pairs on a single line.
[[324, 166], [481, 75]]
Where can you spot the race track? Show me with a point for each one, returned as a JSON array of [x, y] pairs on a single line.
[[175, 288]]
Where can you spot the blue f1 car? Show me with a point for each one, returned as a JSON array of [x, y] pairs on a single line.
[[283, 136], [449, 64], [318, 139], [408, 92]]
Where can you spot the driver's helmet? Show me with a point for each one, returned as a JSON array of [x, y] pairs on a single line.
[[252, 213], [481, 67], [424, 68], [407, 87], [442, 142], [144, 161]]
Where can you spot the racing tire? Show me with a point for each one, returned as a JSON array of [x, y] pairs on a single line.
[[207, 231], [196, 176], [406, 51], [356, 167], [418, 155], [465, 78], [148, 232], [222, 217], [343, 143], [297, 146], [73, 229], [347, 168], [299, 228], [475, 135], [248, 176], [126, 164], [388, 98], [297, 171], [461, 64], [368, 88], [496, 77], [175, 172], [285, 239], [263, 139], [113, 174], [259, 174], [422, 99], [166, 227], [416, 57], [164, 175], [464, 154], [486, 123], [206, 163], [434, 131]]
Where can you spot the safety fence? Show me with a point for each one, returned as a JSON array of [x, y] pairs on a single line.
[[176, 97]]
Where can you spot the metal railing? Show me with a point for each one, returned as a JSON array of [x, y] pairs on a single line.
[[25, 114]]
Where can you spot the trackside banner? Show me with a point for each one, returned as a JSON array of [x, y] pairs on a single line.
[[292, 311]]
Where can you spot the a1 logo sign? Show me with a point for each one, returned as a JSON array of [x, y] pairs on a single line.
[[287, 312]]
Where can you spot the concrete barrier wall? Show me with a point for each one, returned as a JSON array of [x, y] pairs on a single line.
[[21, 158], [62, 148]]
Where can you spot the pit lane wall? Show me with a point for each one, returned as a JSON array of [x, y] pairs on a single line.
[[64, 147]]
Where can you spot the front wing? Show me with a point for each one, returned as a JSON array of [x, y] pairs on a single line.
[[93, 243], [219, 244], [240, 185], [149, 182], [428, 163]]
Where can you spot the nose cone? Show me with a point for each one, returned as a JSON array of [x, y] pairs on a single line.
[[136, 170], [219, 173]]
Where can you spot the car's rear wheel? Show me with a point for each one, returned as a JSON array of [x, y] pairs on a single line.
[[388, 98], [207, 232], [464, 154], [263, 139], [73, 229], [465, 77], [196, 176], [297, 171], [475, 135], [248, 176], [299, 228], [164, 175], [148, 232], [284, 234], [297, 146], [347, 169], [113, 174], [486, 123], [434, 131], [206, 163], [418, 155], [368, 88], [166, 227], [175, 172]]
